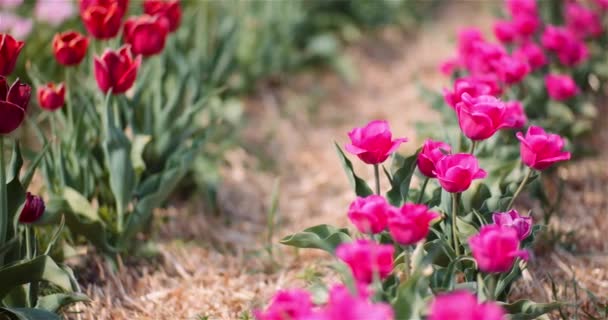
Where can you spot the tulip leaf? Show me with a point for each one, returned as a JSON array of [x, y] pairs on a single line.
[[324, 237], [400, 185], [16, 163], [529, 310], [55, 302], [410, 301], [41, 268], [360, 186], [465, 230], [27, 314]]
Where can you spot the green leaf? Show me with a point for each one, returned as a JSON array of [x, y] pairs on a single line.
[[41, 268], [16, 163], [465, 230], [55, 302], [139, 144], [28, 314], [324, 237], [529, 310], [401, 181], [410, 301], [360, 186]]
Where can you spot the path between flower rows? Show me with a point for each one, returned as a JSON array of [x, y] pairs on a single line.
[[218, 266]]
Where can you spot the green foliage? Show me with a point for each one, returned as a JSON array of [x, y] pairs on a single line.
[[322, 237]]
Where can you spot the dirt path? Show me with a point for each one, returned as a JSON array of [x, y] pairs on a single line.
[[222, 270]]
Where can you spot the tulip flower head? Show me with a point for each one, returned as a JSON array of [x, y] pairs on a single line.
[[456, 172], [512, 219], [102, 18], [463, 305], [9, 52], [582, 21], [13, 104], [540, 150], [169, 10], [495, 248], [32, 210], [411, 223], [432, 151], [369, 214], [367, 259], [70, 47], [531, 53], [287, 305], [116, 70], [146, 35], [480, 117], [505, 31], [569, 49], [51, 97], [560, 87], [473, 86], [374, 143], [343, 304], [515, 115]]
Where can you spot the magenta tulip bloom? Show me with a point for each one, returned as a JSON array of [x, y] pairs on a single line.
[[32, 210], [522, 7], [531, 53], [515, 116], [583, 21], [432, 151], [369, 214], [411, 223], [540, 150], [481, 117], [563, 42], [512, 219], [287, 305], [13, 104], [511, 70], [603, 4], [495, 248], [343, 304], [504, 31], [367, 259], [560, 87], [374, 143], [463, 305], [474, 87], [526, 25], [456, 172]]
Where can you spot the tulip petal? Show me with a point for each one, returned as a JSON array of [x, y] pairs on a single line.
[[11, 117]]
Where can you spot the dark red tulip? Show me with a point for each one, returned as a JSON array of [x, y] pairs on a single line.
[[102, 19], [170, 10], [116, 70], [9, 52], [13, 104], [146, 34], [122, 4], [33, 209], [70, 47], [51, 97]]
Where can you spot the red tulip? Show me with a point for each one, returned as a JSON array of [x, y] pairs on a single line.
[[70, 47], [116, 70], [13, 104], [9, 52], [51, 97], [32, 210], [146, 34], [170, 11], [122, 4], [102, 19]]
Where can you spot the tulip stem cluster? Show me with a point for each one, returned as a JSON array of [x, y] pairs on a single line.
[[377, 177], [422, 190], [455, 204], [3, 199], [520, 188]]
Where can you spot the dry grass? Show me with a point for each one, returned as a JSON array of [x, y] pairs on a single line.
[[220, 267]]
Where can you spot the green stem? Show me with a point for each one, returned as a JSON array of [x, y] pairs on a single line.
[[454, 219], [473, 145], [3, 199], [377, 177], [68, 104], [422, 190], [491, 288], [519, 189]]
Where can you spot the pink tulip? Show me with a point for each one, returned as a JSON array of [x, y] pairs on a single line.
[[486, 58], [411, 223], [603, 4], [490, 80], [532, 54], [495, 248], [540, 150], [369, 214], [582, 21], [472, 86], [466, 40], [515, 116], [456, 172], [522, 7], [560, 87], [344, 305], [512, 219], [463, 305], [526, 25], [373, 144], [367, 259], [432, 151], [448, 66], [287, 305], [570, 50], [481, 117], [504, 31], [511, 70]]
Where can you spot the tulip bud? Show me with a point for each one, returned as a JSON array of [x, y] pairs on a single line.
[[512, 219], [116, 70], [51, 97], [373, 144], [32, 210], [70, 47], [13, 104], [9, 52]]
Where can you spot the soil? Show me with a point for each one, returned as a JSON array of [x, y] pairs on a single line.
[[221, 266]]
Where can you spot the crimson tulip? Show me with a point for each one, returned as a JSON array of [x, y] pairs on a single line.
[[9, 52], [146, 34], [102, 19], [51, 97], [170, 11], [116, 70], [32, 210], [13, 104]]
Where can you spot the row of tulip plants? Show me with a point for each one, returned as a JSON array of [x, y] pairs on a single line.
[[452, 246]]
